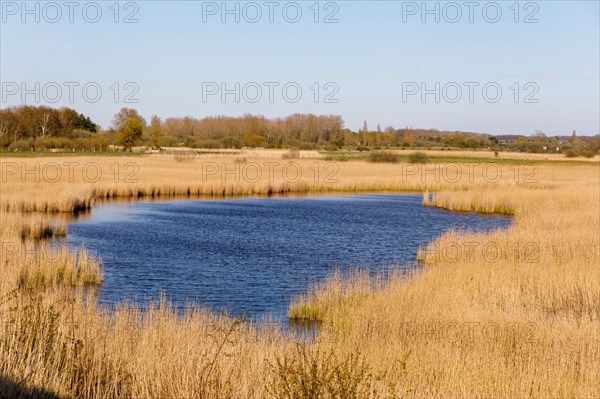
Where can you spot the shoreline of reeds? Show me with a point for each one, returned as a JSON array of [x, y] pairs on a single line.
[[462, 326]]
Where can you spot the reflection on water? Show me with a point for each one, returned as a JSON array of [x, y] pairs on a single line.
[[252, 255]]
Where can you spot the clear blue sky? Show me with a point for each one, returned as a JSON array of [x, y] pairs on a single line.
[[374, 49]]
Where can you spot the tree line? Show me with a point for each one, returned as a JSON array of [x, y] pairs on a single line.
[[28, 125], [41, 128]]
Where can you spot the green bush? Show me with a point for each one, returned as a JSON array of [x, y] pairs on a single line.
[[46, 143], [341, 157], [231, 142], [168, 141], [418, 157], [21, 145], [587, 153], [254, 140], [384, 157], [317, 374], [571, 153], [308, 146], [208, 143]]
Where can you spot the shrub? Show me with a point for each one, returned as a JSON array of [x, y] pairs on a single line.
[[292, 153], [254, 140], [587, 153], [44, 143], [240, 160], [83, 144], [418, 157], [317, 374], [21, 145], [231, 142], [362, 148], [208, 144], [571, 153], [384, 157], [308, 146], [167, 141], [99, 141]]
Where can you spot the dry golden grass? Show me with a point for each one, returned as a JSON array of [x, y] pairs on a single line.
[[245, 152], [521, 156], [67, 184], [29, 261], [507, 314], [278, 153], [513, 313]]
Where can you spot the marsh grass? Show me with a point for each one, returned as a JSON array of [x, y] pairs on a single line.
[[43, 230], [340, 292], [336, 291], [161, 177], [484, 201], [61, 267], [525, 282], [184, 157], [31, 261], [426, 198], [73, 349], [292, 153], [337, 157], [542, 301]]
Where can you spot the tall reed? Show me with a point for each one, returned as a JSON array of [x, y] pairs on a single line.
[[514, 313]]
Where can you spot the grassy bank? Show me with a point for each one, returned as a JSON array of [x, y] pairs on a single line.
[[505, 314], [68, 185]]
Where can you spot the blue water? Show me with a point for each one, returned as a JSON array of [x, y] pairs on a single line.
[[252, 255]]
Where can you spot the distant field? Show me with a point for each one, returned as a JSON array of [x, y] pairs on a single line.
[[514, 313], [506, 155], [278, 153]]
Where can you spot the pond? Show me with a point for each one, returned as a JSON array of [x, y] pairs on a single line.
[[252, 255]]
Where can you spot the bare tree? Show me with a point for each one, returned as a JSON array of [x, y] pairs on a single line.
[[123, 115], [45, 124]]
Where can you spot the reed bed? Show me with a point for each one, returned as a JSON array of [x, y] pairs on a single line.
[[53, 185], [67, 346], [30, 261], [504, 314], [511, 313], [43, 230], [342, 291]]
